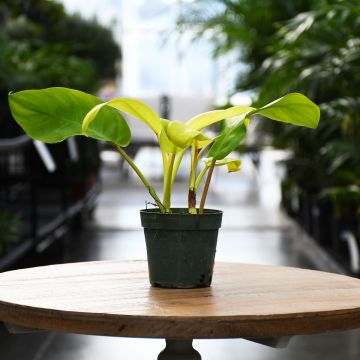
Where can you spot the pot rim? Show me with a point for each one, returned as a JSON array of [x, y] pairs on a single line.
[[181, 212]]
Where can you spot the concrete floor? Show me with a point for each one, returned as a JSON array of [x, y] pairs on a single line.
[[253, 231]]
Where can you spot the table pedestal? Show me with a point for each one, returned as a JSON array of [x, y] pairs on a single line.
[[179, 350], [183, 349]]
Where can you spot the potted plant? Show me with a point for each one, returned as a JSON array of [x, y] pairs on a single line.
[[181, 243]]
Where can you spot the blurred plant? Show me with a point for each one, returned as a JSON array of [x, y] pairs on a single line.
[[308, 46], [9, 229], [41, 46], [245, 27]]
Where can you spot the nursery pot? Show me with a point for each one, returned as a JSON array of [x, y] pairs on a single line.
[[180, 247]]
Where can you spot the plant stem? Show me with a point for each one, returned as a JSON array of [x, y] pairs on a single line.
[[177, 165], [192, 180], [206, 186], [165, 159], [168, 183], [142, 177], [200, 176]]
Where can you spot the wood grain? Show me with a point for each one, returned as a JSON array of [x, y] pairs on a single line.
[[115, 298]]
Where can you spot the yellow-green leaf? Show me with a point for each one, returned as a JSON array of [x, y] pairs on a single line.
[[182, 135], [208, 118], [165, 143], [131, 107], [231, 163]]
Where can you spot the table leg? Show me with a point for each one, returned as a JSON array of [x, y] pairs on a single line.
[[179, 350]]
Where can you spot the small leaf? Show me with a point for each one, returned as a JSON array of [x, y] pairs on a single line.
[[231, 163], [208, 118], [54, 114]]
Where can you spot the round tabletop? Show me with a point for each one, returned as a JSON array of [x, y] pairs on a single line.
[[114, 298]]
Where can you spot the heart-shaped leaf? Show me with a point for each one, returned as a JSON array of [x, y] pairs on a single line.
[[54, 114]]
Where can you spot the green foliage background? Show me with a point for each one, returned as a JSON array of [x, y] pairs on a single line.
[[42, 46], [308, 46]]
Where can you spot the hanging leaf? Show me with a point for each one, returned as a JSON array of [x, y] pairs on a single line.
[[54, 114], [131, 107]]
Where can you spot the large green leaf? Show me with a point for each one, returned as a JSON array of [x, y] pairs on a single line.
[[293, 108], [54, 114], [200, 121], [132, 107]]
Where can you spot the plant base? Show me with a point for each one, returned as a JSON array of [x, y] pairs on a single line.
[[181, 247]]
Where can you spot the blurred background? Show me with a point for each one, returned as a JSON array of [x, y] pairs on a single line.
[[296, 201]]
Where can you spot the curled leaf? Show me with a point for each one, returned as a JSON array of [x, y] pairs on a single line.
[[232, 164], [183, 136]]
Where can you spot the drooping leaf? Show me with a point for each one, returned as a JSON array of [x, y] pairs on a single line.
[[200, 121], [232, 164], [54, 114], [131, 107], [293, 108], [228, 141]]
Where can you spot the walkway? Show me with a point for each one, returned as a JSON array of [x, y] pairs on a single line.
[[253, 231]]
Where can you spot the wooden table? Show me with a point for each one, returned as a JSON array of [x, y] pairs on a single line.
[[114, 298]]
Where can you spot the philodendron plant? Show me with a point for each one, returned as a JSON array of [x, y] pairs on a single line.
[[54, 114]]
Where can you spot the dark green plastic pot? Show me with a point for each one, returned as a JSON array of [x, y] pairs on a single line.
[[180, 247]]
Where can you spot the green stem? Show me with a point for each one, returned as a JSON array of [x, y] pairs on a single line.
[[165, 168], [177, 165], [142, 177], [168, 183], [200, 176], [206, 186]]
